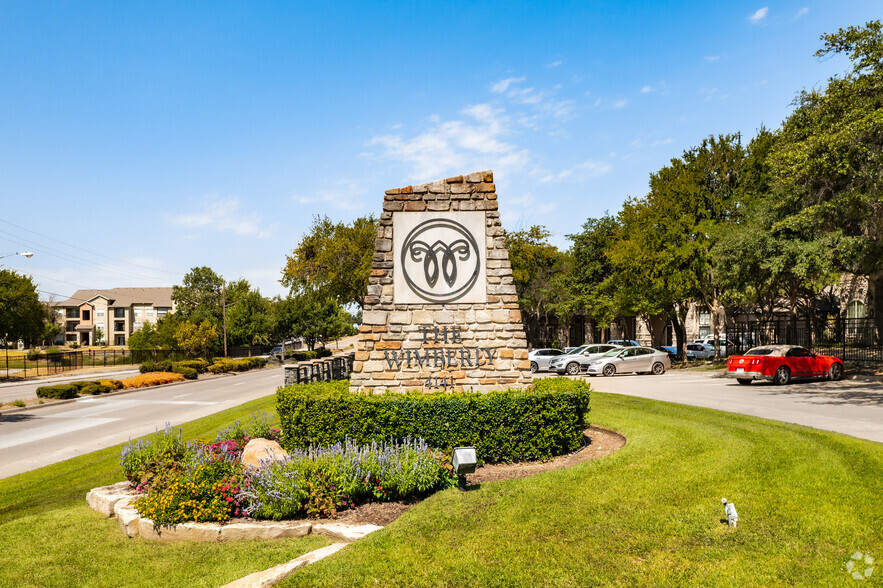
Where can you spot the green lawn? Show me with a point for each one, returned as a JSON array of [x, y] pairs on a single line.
[[50, 537], [650, 514]]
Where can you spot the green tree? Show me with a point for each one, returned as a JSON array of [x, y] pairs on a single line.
[[310, 318], [828, 161], [198, 298], [22, 315], [535, 265], [197, 339], [160, 335], [249, 317], [333, 261]]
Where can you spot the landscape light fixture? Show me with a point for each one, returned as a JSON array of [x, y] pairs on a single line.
[[463, 462]]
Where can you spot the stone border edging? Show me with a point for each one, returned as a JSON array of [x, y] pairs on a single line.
[[114, 501]]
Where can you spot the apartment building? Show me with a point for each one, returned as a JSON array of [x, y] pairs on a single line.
[[90, 317]]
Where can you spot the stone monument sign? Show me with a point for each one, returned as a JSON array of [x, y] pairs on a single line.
[[441, 311]]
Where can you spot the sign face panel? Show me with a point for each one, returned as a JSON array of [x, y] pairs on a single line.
[[439, 257]]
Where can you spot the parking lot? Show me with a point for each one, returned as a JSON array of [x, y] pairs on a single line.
[[851, 406]]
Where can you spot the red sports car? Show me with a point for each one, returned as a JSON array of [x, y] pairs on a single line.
[[780, 363]]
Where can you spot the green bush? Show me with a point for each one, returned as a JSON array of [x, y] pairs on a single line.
[[95, 388], [311, 354], [156, 366], [299, 356], [58, 391], [82, 384], [189, 373], [200, 365], [111, 384], [320, 353], [244, 364], [538, 422], [35, 354]]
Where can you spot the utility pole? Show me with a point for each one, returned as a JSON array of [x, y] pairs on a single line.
[[224, 312]]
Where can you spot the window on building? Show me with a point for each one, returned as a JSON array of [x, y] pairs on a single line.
[[87, 315], [148, 312], [136, 326], [120, 340], [137, 313], [119, 326], [119, 313], [855, 310], [73, 313], [99, 312], [161, 312]]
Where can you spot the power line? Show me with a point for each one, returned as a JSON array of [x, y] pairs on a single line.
[[102, 255]]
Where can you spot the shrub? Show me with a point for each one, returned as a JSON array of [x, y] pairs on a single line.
[[156, 366], [535, 423], [111, 384], [200, 365], [145, 458], [82, 384], [189, 373], [151, 379], [311, 355], [320, 353], [58, 391], [237, 365], [34, 354], [95, 388], [74, 345], [322, 480], [299, 356]]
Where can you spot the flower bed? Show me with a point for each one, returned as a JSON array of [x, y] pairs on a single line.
[[151, 379], [206, 481]]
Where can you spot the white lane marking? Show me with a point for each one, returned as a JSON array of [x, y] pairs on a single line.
[[183, 395], [239, 383], [44, 432]]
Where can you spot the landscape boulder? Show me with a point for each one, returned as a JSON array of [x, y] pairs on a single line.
[[258, 450]]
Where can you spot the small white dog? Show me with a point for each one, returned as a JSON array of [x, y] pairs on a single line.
[[730, 511]]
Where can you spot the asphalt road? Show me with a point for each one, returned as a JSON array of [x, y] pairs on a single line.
[[851, 407], [27, 390], [36, 437]]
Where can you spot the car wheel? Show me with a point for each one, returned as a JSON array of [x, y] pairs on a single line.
[[573, 368], [835, 372], [609, 369], [534, 367], [658, 369], [744, 381], [783, 376]]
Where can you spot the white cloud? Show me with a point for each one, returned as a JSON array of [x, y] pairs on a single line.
[[554, 64], [712, 58], [759, 15], [646, 90], [801, 13], [225, 214], [580, 171], [667, 141], [476, 142], [341, 194], [503, 85], [620, 103]]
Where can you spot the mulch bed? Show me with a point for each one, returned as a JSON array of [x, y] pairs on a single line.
[[597, 442]]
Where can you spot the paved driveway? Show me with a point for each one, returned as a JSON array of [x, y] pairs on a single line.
[[852, 407]]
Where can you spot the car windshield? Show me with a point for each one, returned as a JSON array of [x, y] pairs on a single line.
[[760, 351], [577, 350]]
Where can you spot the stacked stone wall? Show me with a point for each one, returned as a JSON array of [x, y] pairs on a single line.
[[477, 346]]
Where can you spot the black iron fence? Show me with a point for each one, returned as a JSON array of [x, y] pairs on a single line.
[[37, 364], [849, 339]]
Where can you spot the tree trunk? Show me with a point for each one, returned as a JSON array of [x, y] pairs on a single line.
[[875, 303]]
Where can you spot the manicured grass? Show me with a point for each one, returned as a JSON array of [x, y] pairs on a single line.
[[50, 537], [648, 515]]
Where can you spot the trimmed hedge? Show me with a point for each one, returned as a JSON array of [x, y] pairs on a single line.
[[95, 388], [189, 373], [200, 365], [536, 423], [244, 364], [322, 353], [58, 391], [156, 366]]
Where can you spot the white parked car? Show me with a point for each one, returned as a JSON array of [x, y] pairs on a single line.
[[642, 360], [574, 363], [699, 351], [710, 342], [540, 358]]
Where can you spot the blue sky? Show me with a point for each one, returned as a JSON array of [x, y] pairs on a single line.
[[140, 139]]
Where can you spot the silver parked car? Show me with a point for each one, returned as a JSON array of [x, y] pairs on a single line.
[[575, 363], [699, 351], [642, 360], [540, 358]]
